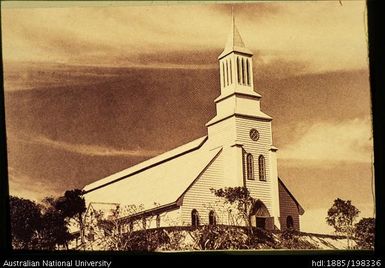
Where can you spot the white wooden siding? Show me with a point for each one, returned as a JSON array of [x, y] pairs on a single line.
[[199, 196], [258, 189], [222, 133]]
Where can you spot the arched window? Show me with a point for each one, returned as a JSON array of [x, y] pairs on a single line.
[[157, 221], [231, 73], [194, 218], [243, 72], [247, 72], [212, 218], [289, 222], [238, 71], [261, 167], [250, 166]]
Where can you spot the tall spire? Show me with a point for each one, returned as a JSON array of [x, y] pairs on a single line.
[[234, 41]]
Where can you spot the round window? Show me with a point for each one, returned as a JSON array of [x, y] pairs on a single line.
[[254, 134]]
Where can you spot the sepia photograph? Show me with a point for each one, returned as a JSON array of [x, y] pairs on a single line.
[[188, 126]]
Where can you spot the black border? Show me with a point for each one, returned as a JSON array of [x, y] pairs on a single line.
[[376, 23], [5, 233], [287, 258]]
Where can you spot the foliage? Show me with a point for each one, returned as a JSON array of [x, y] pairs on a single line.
[[146, 240], [107, 233], [239, 197], [341, 216], [218, 237], [365, 233], [174, 240], [73, 206], [54, 230], [25, 223], [262, 238], [44, 226], [290, 239], [56, 216]]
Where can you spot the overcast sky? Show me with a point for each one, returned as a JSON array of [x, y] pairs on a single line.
[[91, 90]]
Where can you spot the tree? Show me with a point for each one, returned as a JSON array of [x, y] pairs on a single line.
[[113, 229], [25, 223], [341, 216], [365, 233], [241, 199], [54, 230], [57, 214], [72, 206], [45, 226]]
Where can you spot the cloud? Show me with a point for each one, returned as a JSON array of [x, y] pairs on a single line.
[[350, 140], [24, 186], [86, 149], [325, 34]]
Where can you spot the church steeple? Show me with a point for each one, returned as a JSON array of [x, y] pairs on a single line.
[[236, 70], [236, 79]]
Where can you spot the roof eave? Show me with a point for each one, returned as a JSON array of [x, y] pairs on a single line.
[[241, 50]]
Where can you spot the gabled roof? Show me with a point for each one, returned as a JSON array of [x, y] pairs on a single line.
[[147, 164], [234, 42], [301, 211], [159, 181]]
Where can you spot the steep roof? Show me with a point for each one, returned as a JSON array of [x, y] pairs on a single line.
[[234, 42], [301, 211], [195, 144], [159, 181]]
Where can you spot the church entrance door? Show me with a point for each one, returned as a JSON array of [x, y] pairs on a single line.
[[260, 222], [261, 213]]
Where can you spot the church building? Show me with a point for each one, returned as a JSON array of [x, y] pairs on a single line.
[[174, 188]]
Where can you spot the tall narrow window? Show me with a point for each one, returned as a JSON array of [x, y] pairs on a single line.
[[223, 74], [231, 73], [157, 221], [238, 71], [212, 218], [243, 72], [262, 168], [247, 72], [227, 73], [249, 167], [194, 218], [144, 223]]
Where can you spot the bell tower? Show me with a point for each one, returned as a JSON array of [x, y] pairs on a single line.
[[235, 64], [244, 131], [236, 80]]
